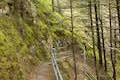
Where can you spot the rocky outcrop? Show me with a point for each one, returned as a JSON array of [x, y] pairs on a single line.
[[4, 9]]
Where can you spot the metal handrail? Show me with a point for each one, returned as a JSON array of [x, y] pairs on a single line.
[[56, 69]]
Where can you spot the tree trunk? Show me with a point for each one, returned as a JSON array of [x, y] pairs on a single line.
[[115, 44], [53, 4], [98, 34], [111, 42], [102, 35], [72, 25], [58, 6], [93, 39], [103, 44], [118, 13]]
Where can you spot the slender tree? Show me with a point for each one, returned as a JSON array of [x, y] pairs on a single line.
[[111, 41], [115, 44], [118, 12], [98, 33], [102, 34], [93, 38], [103, 45], [58, 6], [72, 25], [53, 4], [115, 41]]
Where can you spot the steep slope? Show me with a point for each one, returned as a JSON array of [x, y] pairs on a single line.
[[25, 28]]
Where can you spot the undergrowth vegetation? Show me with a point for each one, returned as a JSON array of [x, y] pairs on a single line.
[[24, 33], [23, 42]]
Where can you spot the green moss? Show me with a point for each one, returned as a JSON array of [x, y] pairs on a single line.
[[23, 43], [15, 43]]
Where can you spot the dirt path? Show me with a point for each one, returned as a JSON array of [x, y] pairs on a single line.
[[45, 72], [42, 72]]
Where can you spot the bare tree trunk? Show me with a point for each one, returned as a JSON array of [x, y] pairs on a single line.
[[111, 42], [58, 6], [103, 44], [93, 38], [115, 41], [118, 12], [72, 25], [115, 44], [53, 4], [102, 35], [98, 34]]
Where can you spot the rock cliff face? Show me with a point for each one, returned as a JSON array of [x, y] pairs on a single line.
[[4, 9], [21, 7]]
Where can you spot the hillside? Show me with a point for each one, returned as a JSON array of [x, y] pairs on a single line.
[[24, 34], [59, 39]]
